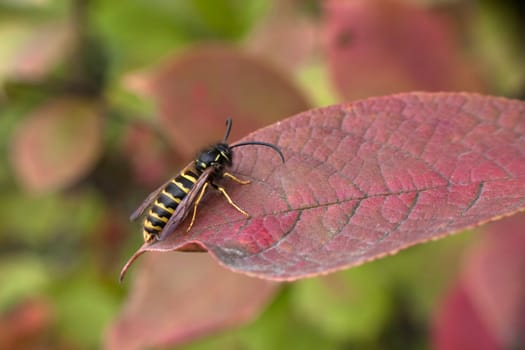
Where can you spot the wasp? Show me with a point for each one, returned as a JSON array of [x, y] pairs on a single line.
[[171, 203]]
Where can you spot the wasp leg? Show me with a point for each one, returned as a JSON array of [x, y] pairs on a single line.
[[223, 191], [236, 179], [195, 206]]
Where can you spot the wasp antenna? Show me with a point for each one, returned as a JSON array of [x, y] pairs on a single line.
[[274, 147], [228, 129]]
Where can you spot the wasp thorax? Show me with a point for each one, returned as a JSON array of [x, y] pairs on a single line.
[[218, 156]]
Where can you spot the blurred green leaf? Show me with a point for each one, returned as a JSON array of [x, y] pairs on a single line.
[[139, 32], [129, 107], [496, 29], [224, 19], [314, 79], [12, 35], [32, 9], [84, 307], [351, 305], [422, 273], [51, 216], [135, 32], [280, 327], [21, 276], [277, 328]]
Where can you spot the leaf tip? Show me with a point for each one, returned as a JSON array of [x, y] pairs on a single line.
[[130, 261]]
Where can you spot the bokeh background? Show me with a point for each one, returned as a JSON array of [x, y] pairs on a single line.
[[101, 101]]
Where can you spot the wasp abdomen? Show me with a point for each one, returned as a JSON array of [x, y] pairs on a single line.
[[166, 203]]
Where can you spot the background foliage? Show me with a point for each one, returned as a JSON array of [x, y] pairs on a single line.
[[100, 101]]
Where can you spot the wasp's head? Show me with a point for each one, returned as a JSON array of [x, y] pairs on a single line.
[[219, 156]]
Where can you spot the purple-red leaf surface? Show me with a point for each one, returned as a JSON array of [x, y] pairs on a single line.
[[361, 181]]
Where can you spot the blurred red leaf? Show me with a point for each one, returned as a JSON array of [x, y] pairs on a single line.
[[107, 238], [361, 181], [286, 36], [43, 50], [57, 144], [494, 278], [32, 49], [490, 295], [26, 326], [459, 326], [199, 89], [198, 298], [150, 159], [379, 47]]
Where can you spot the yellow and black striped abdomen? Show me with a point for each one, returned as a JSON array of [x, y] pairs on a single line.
[[164, 206]]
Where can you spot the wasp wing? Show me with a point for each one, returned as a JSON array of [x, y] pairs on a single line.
[[185, 206], [147, 202]]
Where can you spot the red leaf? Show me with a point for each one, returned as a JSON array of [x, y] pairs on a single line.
[[379, 47], [199, 299], [361, 181], [57, 144]]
